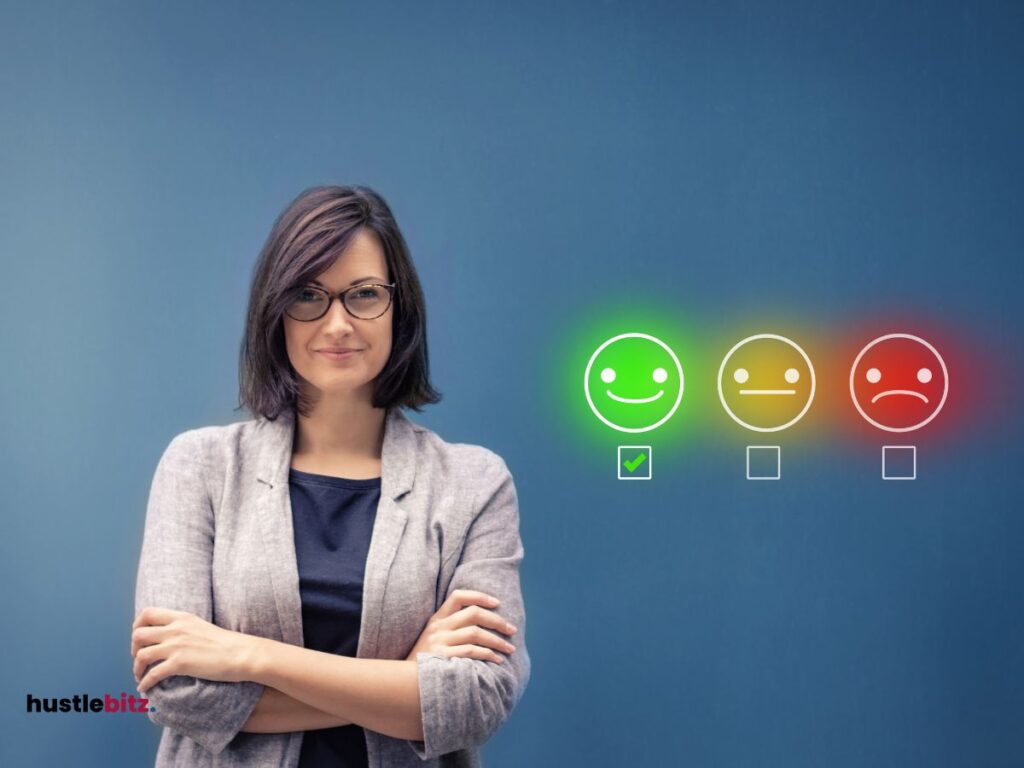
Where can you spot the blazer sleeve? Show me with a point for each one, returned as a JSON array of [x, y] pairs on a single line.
[[464, 701], [175, 572]]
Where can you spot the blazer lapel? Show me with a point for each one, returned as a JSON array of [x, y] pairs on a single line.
[[273, 507], [398, 471], [387, 532]]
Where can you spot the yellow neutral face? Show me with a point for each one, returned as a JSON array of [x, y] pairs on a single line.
[[766, 382]]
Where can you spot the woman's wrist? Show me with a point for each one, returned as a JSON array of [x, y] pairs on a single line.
[[256, 658]]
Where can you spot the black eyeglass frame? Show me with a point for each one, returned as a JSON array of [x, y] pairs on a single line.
[[341, 297]]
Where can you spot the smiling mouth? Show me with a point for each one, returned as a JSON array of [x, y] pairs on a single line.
[[888, 392], [635, 399], [767, 391]]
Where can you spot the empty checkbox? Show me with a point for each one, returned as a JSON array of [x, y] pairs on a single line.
[[763, 462], [899, 462]]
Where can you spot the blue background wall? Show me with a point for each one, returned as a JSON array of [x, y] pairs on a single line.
[[824, 162]]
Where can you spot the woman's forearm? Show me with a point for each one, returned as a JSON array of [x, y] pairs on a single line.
[[277, 712], [379, 694]]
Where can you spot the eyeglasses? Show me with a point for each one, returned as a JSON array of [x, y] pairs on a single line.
[[366, 301]]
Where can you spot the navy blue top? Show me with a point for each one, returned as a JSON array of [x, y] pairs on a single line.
[[332, 518]]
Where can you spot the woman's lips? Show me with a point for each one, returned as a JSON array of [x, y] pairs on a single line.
[[338, 355]]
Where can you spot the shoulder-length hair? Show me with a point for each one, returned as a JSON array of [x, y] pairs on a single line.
[[306, 239]]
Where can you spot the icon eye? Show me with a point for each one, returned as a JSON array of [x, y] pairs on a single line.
[[660, 375], [608, 375], [874, 375], [924, 375], [741, 375], [792, 375]]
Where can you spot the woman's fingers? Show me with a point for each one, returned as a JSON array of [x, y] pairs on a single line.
[[460, 628], [474, 652], [150, 628], [144, 657], [152, 616], [482, 617], [156, 673], [480, 636], [460, 598], [144, 636]]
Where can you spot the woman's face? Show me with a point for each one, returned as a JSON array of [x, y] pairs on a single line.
[[351, 375]]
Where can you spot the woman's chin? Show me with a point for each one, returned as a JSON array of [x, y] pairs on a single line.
[[346, 388]]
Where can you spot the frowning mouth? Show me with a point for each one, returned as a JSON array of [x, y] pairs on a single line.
[[888, 392], [635, 399]]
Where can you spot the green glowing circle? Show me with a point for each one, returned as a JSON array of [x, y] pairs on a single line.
[[633, 382]]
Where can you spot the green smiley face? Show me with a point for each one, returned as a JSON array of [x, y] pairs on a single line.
[[633, 382]]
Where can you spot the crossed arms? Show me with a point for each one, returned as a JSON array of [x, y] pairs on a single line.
[[452, 692]]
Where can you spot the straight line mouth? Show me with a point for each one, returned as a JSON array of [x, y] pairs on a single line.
[[767, 391]]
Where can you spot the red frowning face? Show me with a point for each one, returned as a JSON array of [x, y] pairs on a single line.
[[899, 382]]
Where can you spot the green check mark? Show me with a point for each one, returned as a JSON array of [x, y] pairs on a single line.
[[632, 465]]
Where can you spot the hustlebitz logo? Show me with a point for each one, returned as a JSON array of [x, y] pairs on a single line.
[[127, 703]]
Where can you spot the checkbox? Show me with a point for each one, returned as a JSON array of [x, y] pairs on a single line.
[[899, 462], [634, 462], [764, 462]]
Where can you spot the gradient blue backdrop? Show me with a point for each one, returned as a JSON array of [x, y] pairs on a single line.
[[826, 161]]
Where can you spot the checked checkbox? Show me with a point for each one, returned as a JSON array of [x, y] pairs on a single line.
[[634, 462]]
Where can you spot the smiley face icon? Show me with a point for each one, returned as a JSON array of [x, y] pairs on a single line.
[[633, 382], [766, 382], [899, 382]]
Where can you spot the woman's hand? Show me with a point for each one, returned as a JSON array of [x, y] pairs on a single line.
[[185, 644], [461, 628]]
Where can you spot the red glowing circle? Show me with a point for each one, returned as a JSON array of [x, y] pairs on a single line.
[[899, 382]]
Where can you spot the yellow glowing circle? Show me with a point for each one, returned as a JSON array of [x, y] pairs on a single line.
[[742, 376]]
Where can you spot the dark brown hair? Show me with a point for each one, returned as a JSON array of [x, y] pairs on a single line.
[[306, 239]]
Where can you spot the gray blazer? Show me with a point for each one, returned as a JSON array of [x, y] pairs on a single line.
[[218, 542]]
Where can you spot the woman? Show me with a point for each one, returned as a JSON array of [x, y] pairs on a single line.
[[330, 583]]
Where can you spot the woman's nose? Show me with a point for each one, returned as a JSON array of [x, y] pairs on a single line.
[[338, 317]]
